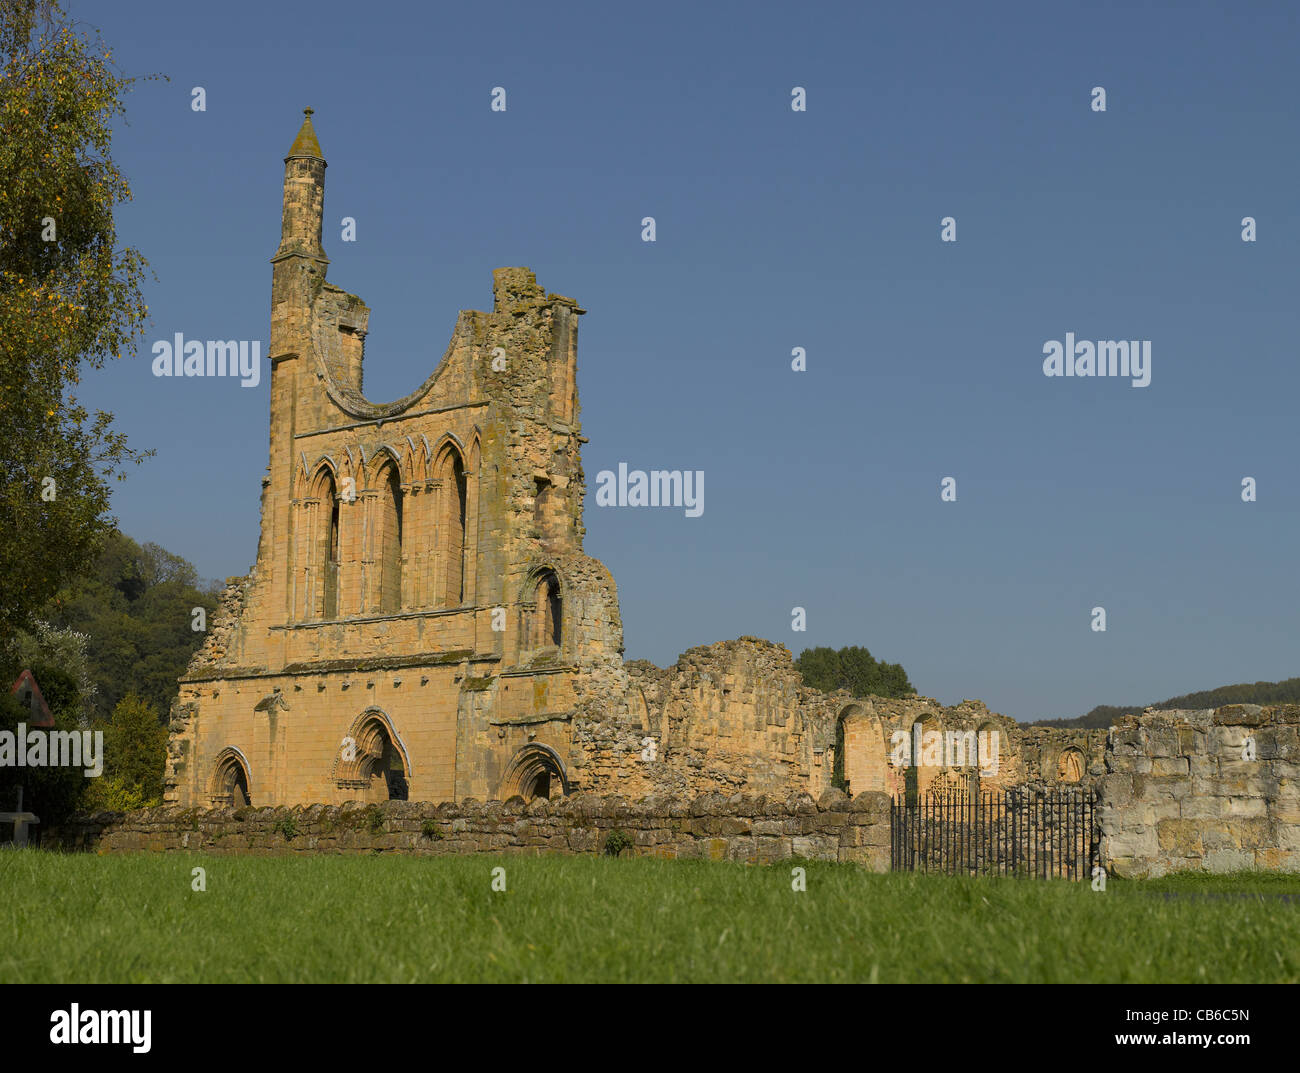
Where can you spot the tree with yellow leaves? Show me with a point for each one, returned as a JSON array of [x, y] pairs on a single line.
[[70, 300]]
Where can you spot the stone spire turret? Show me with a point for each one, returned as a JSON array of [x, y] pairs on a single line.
[[304, 199]]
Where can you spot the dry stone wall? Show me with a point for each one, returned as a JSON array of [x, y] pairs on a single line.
[[741, 827]]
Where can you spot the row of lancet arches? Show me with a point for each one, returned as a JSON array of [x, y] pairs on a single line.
[[394, 531], [373, 765], [864, 753], [934, 758]]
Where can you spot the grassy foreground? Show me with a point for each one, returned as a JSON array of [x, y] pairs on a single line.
[[113, 919]]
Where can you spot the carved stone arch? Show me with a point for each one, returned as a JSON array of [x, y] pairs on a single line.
[[412, 461], [541, 604], [324, 467], [448, 441], [861, 760], [473, 464], [229, 783], [1071, 765], [301, 477], [373, 759], [473, 456], [988, 738], [386, 530], [385, 454], [925, 749], [639, 708], [535, 771], [453, 538], [364, 468], [349, 468], [316, 527], [534, 574]]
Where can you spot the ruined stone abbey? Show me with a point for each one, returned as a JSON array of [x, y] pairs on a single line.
[[422, 622]]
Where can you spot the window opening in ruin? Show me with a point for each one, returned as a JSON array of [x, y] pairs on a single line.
[[331, 604], [390, 572], [541, 508], [457, 492], [837, 766], [547, 613]]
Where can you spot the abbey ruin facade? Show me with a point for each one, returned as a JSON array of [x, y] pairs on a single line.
[[422, 622]]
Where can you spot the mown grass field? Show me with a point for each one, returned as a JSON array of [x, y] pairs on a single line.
[[116, 919]]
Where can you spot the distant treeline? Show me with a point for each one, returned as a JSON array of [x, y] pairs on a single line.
[[1104, 715], [106, 652], [136, 607]]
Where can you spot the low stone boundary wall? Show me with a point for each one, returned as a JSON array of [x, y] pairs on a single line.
[[742, 827]]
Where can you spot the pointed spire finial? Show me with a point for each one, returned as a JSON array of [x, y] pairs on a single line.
[[306, 144]]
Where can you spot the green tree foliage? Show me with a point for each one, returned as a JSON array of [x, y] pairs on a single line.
[[108, 661], [135, 753], [57, 657], [70, 300], [136, 609], [853, 669], [1104, 715]]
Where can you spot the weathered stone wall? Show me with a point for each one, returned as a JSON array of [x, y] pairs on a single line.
[[948, 754], [1054, 756], [736, 715], [737, 828], [733, 716], [396, 636], [1182, 793]]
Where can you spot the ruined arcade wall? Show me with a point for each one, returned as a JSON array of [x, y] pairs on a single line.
[[733, 716], [736, 715]]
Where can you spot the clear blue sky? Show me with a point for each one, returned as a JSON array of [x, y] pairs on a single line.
[[776, 230]]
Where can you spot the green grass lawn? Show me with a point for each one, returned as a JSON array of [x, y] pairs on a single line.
[[111, 919]]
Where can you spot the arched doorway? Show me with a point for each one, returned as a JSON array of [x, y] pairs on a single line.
[[373, 761], [861, 761], [229, 786], [535, 771]]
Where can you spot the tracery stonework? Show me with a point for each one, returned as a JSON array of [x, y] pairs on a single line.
[[422, 623]]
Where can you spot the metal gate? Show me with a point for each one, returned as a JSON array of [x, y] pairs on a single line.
[[1018, 832]]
